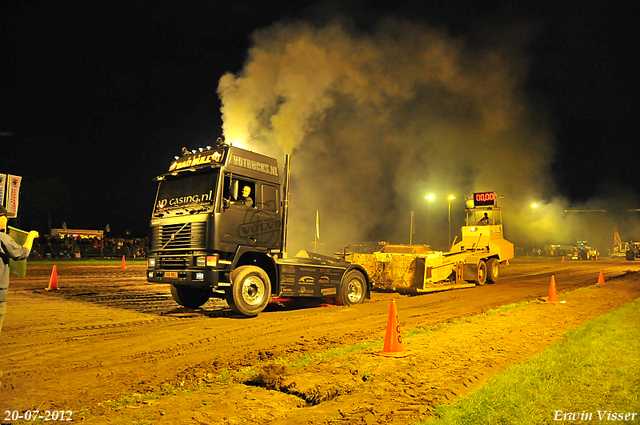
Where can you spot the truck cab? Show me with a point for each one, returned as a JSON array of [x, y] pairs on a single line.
[[218, 229]]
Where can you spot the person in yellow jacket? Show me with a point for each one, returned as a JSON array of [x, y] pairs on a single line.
[[9, 249]]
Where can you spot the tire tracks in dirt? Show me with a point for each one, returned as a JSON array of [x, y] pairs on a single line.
[[360, 387], [94, 339]]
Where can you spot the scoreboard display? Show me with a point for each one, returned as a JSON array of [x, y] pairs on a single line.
[[484, 199]]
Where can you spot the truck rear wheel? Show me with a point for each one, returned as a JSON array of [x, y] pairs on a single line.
[[190, 296], [250, 291], [481, 274], [493, 270], [629, 255], [353, 289]]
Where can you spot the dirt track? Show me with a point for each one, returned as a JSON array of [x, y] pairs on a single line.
[[107, 333]]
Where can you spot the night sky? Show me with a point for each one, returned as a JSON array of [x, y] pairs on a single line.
[[96, 97]]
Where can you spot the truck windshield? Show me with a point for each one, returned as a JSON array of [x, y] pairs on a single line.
[[192, 191]]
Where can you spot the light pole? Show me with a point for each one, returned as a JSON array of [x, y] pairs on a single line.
[[430, 197], [450, 198], [533, 211], [411, 229]]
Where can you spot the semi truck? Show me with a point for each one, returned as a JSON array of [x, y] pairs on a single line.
[[473, 261], [219, 229]]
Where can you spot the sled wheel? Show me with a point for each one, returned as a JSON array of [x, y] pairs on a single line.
[[481, 276], [492, 270]]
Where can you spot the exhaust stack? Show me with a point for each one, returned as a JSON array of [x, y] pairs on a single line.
[[285, 204]]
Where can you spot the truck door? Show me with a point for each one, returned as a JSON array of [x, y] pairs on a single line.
[[268, 219], [239, 207]]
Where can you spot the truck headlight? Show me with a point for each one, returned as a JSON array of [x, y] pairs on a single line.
[[151, 262], [209, 261], [199, 276]]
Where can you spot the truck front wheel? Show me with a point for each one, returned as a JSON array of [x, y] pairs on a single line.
[[353, 289], [190, 296], [250, 291], [492, 270], [481, 275]]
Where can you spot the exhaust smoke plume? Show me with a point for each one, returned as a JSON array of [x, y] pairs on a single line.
[[377, 120]]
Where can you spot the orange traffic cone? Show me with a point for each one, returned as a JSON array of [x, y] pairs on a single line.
[[123, 265], [563, 258], [53, 281], [507, 263], [393, 339], [553, 294], [601, 278]]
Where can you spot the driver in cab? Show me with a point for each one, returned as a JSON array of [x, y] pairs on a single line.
[[484, 221], [245, 199]]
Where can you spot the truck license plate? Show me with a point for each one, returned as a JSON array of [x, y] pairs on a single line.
[[170, 274]]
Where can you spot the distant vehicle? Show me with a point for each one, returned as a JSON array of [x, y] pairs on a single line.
[[628, 250], [558, 250], [584, 252]]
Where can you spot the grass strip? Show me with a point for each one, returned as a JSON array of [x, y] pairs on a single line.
[[593, 376]]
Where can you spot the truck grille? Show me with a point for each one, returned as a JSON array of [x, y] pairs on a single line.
[[173, 262], [179, 236]]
